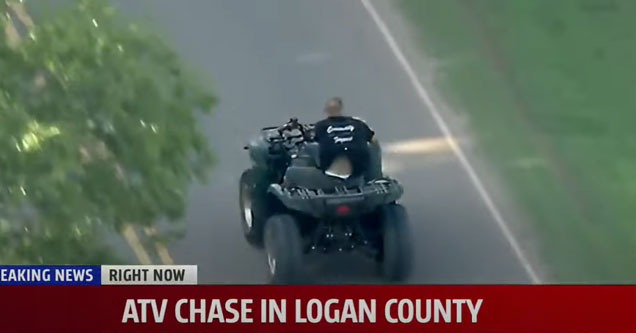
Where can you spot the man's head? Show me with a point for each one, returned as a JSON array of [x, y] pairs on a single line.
[[333, 108]]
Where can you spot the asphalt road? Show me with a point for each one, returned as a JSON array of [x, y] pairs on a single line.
[[273, 59]]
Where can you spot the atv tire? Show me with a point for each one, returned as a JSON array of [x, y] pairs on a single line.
[[283, 246], [254, 205], [396, 251]]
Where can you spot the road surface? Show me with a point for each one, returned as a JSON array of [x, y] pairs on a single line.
[[274, 59]]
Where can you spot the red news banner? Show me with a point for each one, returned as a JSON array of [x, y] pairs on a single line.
[[318, 308]]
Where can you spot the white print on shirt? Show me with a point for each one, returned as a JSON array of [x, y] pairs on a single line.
[[349, 128], [348, 137], [342, 140]]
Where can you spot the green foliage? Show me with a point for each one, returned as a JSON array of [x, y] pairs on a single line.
[[98, 128]]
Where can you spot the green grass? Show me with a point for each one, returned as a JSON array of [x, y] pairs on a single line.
[[549, 88]]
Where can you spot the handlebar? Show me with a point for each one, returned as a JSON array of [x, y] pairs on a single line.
[[287, 142], [290, 125], [293, 124]]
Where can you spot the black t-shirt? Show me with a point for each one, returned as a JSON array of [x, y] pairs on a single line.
[[343, 132], [341, 135]]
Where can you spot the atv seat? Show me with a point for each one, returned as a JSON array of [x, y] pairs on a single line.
[[315, 179], [373, 169], [309, 156]]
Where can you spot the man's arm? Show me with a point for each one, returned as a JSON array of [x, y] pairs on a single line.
[[369, 134], [318, 130]]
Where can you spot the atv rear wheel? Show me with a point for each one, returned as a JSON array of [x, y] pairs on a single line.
[[253, 204], [396, 253], [283, 246]]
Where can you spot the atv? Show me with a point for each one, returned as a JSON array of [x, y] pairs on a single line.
[[290, 207]]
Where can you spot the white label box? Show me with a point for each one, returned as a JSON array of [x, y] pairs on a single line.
[[149, 274]]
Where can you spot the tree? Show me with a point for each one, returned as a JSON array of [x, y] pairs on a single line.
[[98, 129]]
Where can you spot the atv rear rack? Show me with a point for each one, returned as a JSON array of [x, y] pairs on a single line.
[[340, 201]]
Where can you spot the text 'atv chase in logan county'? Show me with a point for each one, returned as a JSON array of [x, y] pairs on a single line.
[[313, 311]]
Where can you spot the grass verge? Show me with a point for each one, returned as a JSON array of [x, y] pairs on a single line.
[[549, 88]]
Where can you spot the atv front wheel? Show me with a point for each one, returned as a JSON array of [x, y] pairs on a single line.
[[253, 204], [396, 254], [283, 246]]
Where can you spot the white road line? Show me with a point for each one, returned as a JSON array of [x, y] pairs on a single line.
[[21, 13], [476, 180], [162, 251], [133, 240]]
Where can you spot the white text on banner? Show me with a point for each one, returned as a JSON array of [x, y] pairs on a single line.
[[149, 274]]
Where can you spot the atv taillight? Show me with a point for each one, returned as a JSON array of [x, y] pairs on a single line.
[[343, 210]]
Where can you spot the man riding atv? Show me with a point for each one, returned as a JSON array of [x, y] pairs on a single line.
[[343, 139], [320, 188]]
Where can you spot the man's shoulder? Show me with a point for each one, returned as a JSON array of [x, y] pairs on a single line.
[[360, 121], [332, 120], [340, 120], [321, 123]]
